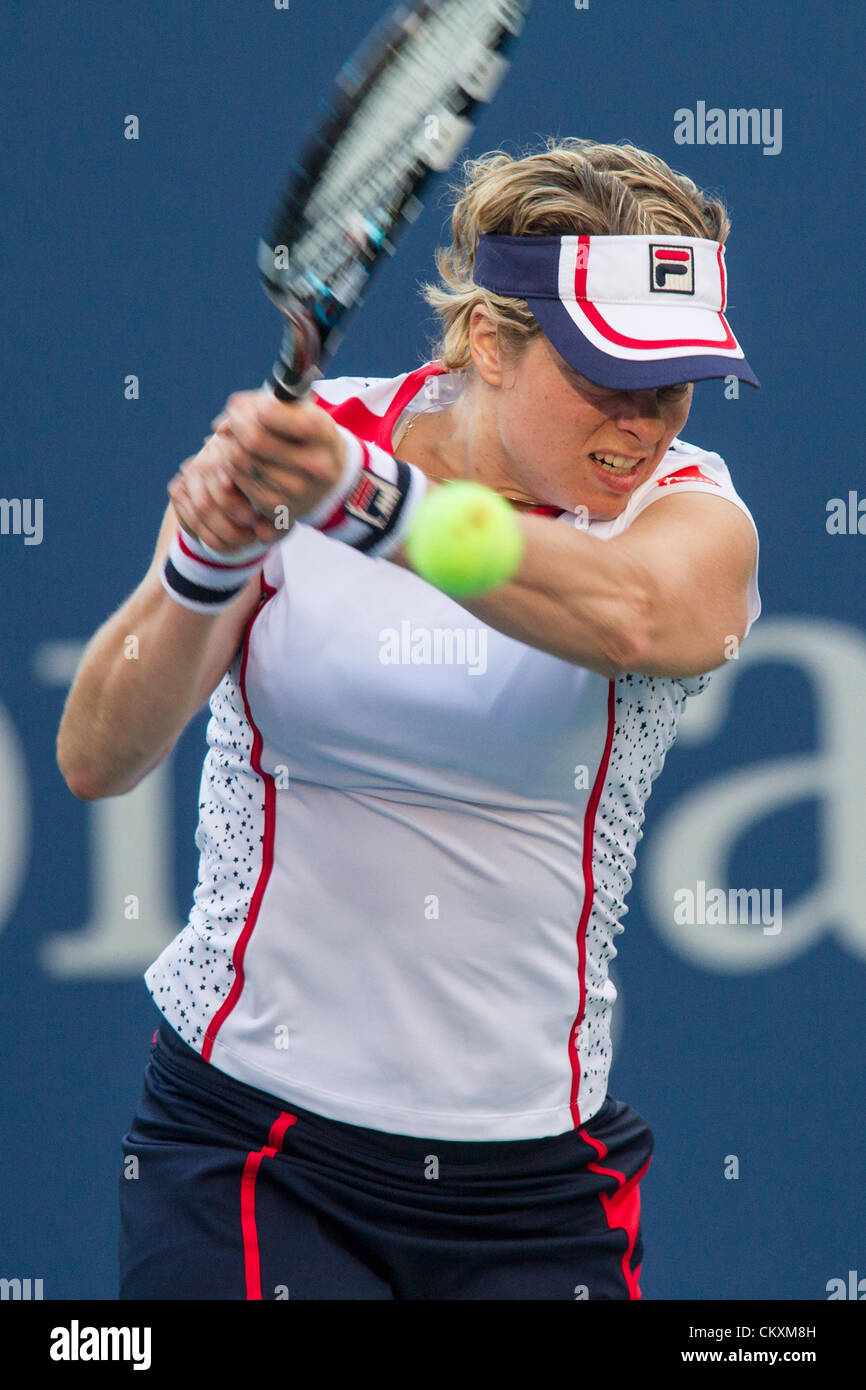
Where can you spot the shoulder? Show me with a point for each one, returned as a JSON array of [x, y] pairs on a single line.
[[674, 521], [686, 466], [686, 470]]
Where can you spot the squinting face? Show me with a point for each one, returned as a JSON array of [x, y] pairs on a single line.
[[556, 428]]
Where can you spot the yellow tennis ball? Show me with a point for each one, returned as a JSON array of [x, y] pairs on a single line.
[[465, 539]]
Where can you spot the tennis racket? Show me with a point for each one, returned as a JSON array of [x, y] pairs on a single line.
[[400, 111]]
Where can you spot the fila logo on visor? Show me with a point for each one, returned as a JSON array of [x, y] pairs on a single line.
[[672, 269]]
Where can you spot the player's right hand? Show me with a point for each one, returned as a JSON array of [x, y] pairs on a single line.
[[211, 507]]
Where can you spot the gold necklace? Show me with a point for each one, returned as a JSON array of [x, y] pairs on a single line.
[[412, 419]]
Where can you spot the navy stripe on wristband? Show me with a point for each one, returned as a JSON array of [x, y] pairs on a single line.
[[372, 507], [211, 598], [375, 540], [204, 580]]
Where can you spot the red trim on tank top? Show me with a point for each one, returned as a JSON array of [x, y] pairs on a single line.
[[270, 797], [588, 895], [363, 422]]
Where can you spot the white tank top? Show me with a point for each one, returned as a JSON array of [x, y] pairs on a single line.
[[416, 839]]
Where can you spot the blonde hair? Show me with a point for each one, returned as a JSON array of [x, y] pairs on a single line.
[[570, 187]]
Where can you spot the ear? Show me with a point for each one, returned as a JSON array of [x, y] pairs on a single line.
[[485, 347]]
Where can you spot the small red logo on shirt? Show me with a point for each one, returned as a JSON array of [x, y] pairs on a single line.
[[687, 475]]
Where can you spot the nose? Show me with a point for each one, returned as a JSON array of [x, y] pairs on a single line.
[[639, 413]]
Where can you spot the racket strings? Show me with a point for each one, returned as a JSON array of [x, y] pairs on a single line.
[[393, 131], [402, 110]]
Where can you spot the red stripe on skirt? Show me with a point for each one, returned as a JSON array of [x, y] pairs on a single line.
[[249, 1230], [621, 1209]]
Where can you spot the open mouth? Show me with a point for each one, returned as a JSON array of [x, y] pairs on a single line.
[[617, 463]]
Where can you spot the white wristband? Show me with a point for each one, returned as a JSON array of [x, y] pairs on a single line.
[[206, 580], [340, 491], [372, 506]]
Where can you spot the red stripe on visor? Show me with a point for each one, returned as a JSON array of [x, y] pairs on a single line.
[[586, 306]]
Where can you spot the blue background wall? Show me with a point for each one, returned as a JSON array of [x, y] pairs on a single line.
[[138, 257]]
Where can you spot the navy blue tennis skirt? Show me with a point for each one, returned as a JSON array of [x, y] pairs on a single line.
[[227, 1193]]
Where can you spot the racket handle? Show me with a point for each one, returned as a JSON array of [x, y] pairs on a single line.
[[275, 385], [298, 364]]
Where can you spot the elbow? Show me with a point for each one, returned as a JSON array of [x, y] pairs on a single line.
[[80, 779], [95, 781], [81, 786], [85, 780], [86, 785], [83, 790]]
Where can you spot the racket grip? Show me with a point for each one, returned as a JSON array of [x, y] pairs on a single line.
[[298, 364], [276, 386]]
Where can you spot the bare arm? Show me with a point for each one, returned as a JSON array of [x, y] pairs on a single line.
[[662, 599], [124, 715], [126, 711]]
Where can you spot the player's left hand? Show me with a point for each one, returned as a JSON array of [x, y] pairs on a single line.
[[280, 454]]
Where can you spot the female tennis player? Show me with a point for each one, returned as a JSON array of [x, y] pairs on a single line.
[[381, 1062]]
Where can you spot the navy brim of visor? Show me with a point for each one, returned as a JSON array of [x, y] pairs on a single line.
[[619, 374]]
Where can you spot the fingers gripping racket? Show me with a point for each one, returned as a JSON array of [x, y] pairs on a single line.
[[400, 112]]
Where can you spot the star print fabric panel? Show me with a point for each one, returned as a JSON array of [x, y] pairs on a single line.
[[191, 985]]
